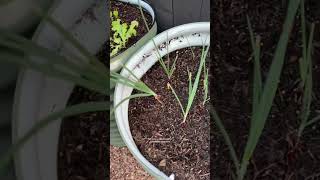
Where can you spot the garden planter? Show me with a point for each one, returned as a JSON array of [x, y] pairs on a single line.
[[193, 34], [37, 95], [118, 60]]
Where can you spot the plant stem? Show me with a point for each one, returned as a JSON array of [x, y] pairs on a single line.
[[269, 91]]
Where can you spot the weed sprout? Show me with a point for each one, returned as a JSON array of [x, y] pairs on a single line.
[[193, 86], [121, 32], [262, 96], [306, 75]]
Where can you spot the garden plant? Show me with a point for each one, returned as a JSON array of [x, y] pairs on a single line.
[[122, 32], [266, 95], [179, 80]]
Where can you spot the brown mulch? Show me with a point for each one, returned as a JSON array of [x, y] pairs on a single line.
[[123, 166]]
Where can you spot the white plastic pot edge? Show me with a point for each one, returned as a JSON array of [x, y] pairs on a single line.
[[37, 95], [193, 34], [116, 62]]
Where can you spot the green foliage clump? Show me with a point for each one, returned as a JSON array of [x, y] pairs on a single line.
[[121, 33]]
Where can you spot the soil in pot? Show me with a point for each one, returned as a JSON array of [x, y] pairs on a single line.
[[129, 13], [278, 155], [84, 139], [157, 128]]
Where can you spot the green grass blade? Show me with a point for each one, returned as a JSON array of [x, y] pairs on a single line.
[[257, 80], [69, 111], [189, 82], [173, 66], [30, 48], [129, 97], [124, 81], [131, 73], [50, 71], [303, 62], [143, 17], [226, 137], [196, 83], [138, 85], [307, 94], [270, 88], [310, 43], [206, 85], [161, 61], [312, 121], [121, 80], [177, 98], [307, 99]]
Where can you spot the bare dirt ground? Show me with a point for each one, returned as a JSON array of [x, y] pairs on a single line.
[[123, 166]]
